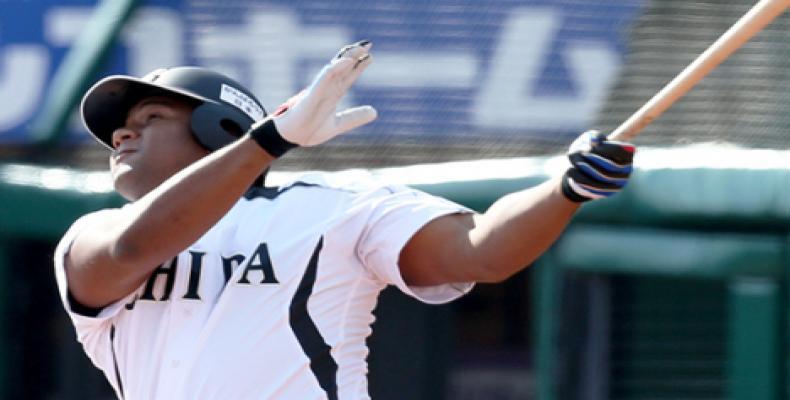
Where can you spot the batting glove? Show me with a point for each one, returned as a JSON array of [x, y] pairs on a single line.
[[310, 118], [599, 167]]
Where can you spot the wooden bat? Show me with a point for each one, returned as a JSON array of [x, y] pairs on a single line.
[[760, 15]]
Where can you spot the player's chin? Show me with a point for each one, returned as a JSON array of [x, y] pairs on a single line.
[[119, 170], [123, 180]]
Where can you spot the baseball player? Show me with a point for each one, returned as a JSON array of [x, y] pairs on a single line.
[[209, 285]]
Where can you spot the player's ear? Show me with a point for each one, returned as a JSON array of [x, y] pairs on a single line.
[[215, 125]]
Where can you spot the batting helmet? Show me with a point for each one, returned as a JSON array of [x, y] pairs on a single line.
[[224, 109]]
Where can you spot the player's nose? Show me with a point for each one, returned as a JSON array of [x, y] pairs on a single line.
[[123, 134]]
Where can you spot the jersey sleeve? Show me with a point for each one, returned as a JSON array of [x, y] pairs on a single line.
[[394, 218], [85, 319], [94, 327]]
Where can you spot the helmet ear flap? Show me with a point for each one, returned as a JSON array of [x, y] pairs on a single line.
[[215, 125]]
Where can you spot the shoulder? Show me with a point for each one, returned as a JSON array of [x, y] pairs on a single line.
[[343, 184], [351, 181], [81, 224], [93, 217]]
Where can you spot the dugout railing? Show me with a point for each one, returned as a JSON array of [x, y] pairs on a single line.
[[665, 314], [673, 289]]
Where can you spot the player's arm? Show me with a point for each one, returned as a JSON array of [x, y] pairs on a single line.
[[112, 257], [518, 227]]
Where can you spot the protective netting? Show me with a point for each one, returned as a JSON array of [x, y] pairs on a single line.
[[465, 79], [745, 101], [452, 79]]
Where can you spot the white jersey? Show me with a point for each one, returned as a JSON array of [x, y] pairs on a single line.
[[274, 302]]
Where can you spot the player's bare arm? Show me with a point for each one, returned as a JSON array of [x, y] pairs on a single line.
[[487, 247], [111, 258], [519, 227]]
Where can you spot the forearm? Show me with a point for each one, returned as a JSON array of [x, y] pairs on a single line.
[[517, 229], [487, 247], [520, 227], [178, 212]]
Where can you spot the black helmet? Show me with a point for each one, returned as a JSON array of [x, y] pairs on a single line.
[[224, 108]]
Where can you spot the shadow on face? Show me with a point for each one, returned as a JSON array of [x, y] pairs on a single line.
[[155, 143]]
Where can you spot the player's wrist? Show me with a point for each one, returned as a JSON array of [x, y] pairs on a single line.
[[266, 135]]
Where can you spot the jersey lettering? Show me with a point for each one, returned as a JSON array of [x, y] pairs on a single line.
[[260, 261], [167, 269], [229, 264], [194, 275]]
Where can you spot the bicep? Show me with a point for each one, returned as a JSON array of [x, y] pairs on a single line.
[[440, 252], [95, 277]]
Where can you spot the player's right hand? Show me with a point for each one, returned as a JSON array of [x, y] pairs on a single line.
[[599, 167]]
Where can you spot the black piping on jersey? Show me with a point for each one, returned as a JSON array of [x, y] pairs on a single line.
[[271, 192], [322, 364], [115, 361], [81, 309]]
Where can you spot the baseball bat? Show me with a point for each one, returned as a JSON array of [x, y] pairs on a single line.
[[757, 18]]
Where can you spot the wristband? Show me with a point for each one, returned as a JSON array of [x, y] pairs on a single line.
[[270, 140]]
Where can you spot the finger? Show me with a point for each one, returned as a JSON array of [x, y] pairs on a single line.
[[335, 68], [353, 118], [601, 177], [358, 53], [620, 153], [359, 67], [584, 143], [332, 76], [345, 49], [353, 51], [603, 164], [341, 123], [362, 59], [589, 191]]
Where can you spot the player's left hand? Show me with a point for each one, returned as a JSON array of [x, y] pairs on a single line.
[[599, 167], [309, 118]]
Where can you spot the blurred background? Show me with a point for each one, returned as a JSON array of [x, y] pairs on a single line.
[[675, 289]]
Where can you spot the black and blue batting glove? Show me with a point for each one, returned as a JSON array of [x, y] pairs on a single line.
[[599, 167]]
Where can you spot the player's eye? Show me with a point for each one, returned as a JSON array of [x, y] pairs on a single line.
[[152, 117]]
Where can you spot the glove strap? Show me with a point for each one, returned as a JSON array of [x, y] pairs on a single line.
[[268, 137]]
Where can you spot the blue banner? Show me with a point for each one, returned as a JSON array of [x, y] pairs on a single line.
[[460, 67]]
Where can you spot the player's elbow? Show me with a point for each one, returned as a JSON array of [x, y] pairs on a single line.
[[135, 253], [122, 252], [469, 264], [126, 251], [494, 272]]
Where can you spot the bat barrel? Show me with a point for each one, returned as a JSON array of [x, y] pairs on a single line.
[[747, 26]]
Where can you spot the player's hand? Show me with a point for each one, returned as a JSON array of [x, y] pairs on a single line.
[[310, 118], [599, 167]]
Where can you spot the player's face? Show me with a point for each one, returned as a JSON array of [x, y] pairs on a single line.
[[154, 144]]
